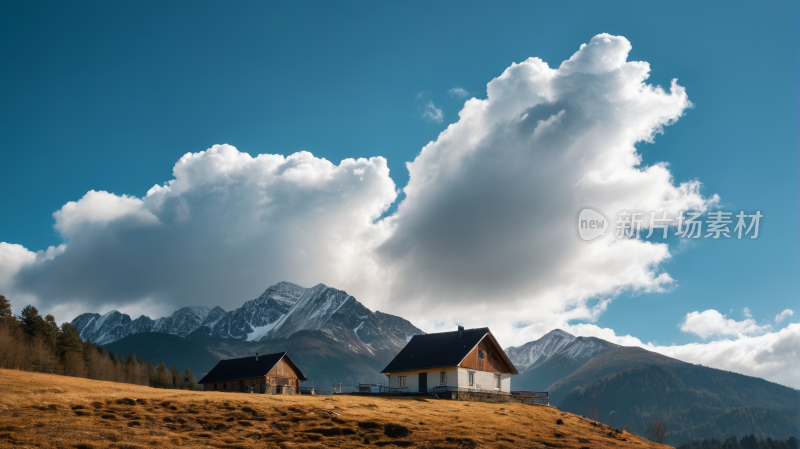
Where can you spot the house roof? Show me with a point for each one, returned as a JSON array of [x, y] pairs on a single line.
[[443, 349], [247, 367]]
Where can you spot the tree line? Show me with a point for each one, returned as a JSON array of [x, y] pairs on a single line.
[[747, 442], [30, 342]]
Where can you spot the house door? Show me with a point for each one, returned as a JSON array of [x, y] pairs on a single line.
[[423, 382]]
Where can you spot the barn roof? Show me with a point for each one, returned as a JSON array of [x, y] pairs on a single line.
[[443, 349], [247, 367]]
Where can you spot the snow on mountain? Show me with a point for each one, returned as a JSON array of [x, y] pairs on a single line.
[[347, 321], [282, 310], [553, 356], [213, 317], [114, 325], [256, 317], [311, 311], [102, 329], [535, 352], [585, 348], [183, 322]]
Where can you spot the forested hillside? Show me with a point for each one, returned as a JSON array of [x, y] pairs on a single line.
[[30, 342], [693, 402]]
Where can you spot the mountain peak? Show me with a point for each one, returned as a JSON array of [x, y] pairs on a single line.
[[559, 333]]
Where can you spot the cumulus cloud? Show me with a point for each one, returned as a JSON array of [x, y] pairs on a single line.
[[788, 313], [458, 92], [710, 323], [485, 232], [12, 258], [747, 313], [223, 229], [433, 113]]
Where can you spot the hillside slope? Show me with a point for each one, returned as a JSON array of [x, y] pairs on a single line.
[[631, 387], [47, 410], [694, 401], [171, 349]]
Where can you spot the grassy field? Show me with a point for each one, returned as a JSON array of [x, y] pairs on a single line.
[[46, 410]]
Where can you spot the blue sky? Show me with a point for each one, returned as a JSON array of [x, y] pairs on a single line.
[[108, 96]]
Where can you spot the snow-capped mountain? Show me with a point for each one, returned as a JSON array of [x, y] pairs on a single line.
[[256, 317], [557, 354], [534, 352], [182, 322], [282, 310], [115, 325], [345, 320], [213, 317], [555, 343]]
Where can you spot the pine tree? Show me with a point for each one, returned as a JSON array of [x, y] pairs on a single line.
[[50, 330], [5, 307], [190, 380], [30, 320], [176, 377], [162, 378], [69, 340]]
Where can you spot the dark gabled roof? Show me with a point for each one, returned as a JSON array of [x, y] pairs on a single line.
[[442, 350], [247, 368]]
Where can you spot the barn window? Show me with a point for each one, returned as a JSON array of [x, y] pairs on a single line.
[[443, 377], [481, 354], [471, 378], [401, 381], [497, 381]]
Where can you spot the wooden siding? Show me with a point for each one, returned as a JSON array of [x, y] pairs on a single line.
[[282, 374], [492, 363]]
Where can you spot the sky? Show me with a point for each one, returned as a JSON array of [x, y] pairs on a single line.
[[195, 153]]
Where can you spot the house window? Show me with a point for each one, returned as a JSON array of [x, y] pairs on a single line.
[[481, 354], [471, 376], [497, 381], [443, 377], [401, 381]]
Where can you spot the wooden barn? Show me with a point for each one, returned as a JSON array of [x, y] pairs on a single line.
[[464, 360], [266, 374]]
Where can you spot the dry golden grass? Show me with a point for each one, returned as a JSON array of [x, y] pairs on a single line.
[[46, 410]]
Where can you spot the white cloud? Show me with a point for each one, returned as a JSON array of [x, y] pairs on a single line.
[[433, 113], [747, 313], [226, 227], [485, 234], [97, 209], [773, 356], [458, 92], [788, 313], [710, 322], [12, 258]]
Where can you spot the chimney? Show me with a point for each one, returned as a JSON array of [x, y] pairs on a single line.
[[460, 330], [256, 356]]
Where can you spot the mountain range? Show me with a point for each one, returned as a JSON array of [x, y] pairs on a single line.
[[631, 387], [334, 338], [356, 342]]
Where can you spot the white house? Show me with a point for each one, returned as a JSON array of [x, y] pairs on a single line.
[[464, 360]]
